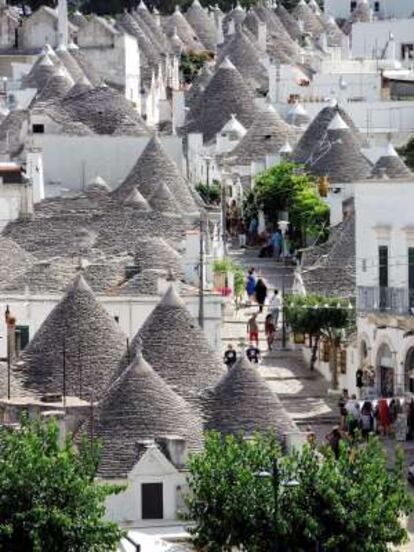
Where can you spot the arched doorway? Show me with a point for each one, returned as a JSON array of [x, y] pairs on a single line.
[[385, 371], [409, 371], [363, 353]]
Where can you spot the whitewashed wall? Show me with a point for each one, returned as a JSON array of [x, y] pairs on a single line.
[[126, 508], [71, 162], [369, 39], [131, 312], [383, 204], [388, 8]]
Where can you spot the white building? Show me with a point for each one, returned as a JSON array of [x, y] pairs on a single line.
[[385, 282], [342, 9], [389, 39]]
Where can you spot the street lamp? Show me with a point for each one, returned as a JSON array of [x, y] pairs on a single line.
[[274, 475], [283, 225]]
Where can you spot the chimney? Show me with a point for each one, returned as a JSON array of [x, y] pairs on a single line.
[[63, 23], [262, 36], [175, 448], [34, 171]]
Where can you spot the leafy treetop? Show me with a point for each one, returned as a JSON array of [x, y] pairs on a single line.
[[48, 497], [242, 496]]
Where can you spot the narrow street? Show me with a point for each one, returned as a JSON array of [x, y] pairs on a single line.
[[303, 393]]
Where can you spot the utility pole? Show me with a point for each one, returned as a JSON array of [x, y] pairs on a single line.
[[64, 375], [223, 216], [201, 277]]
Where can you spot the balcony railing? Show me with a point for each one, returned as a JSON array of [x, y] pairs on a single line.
[[391, 300]]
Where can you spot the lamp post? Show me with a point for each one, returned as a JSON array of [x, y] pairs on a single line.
[[274, 475], [283, 225]]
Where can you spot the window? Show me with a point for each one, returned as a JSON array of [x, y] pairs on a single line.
[[152, 501], [407, 51], [116, 318], [364, 265], [376, 7], [353, 6], [411, 276], [38, 129], [383, 275]]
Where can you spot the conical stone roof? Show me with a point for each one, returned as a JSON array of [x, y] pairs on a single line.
[[226, 93], [143, 13], [162, 200], [311, 21], [297, 116], [152, 252], [242, 402], [89, 70], [105, 111], [93, 343], [203, 25], [279, 43], [40, 73], [139, 406], [179, 24], [137, 200], [316, 131], [266, 136], [245, 57], [80, 87], [97, 187], [391, 164], [70, 63], [338, 155], [154, 166], [57, 87], [289, 22], [176, 347]]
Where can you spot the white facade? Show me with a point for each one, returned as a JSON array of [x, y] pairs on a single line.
[[153, 467], [71, 162], [384, 261], [371, 40], [131, 312], [341, 9]]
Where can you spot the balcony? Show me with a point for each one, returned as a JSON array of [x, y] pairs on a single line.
[[389, 300]]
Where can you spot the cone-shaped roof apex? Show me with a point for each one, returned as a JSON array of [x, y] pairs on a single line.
[[338, 123]]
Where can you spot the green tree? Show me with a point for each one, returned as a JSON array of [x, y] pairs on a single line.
[[321, 316], [287, 187], [244, 493], [48, 497], [407, 153]]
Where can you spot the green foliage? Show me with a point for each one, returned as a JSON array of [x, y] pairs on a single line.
[[48, 498], [286, 187], [354, 503], [407, 153], [191, 64], [210, 194], [318, 315], [239, 281]]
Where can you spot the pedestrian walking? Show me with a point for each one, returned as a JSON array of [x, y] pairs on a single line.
[[367, 419], [253, 329], [334, 439], [242, 233], [251, 285], [261, 293], [359, 381], [270, 331], [252, 231], [230, 357], [253, 353], [275, 306], [342, 410], [353, 415]]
